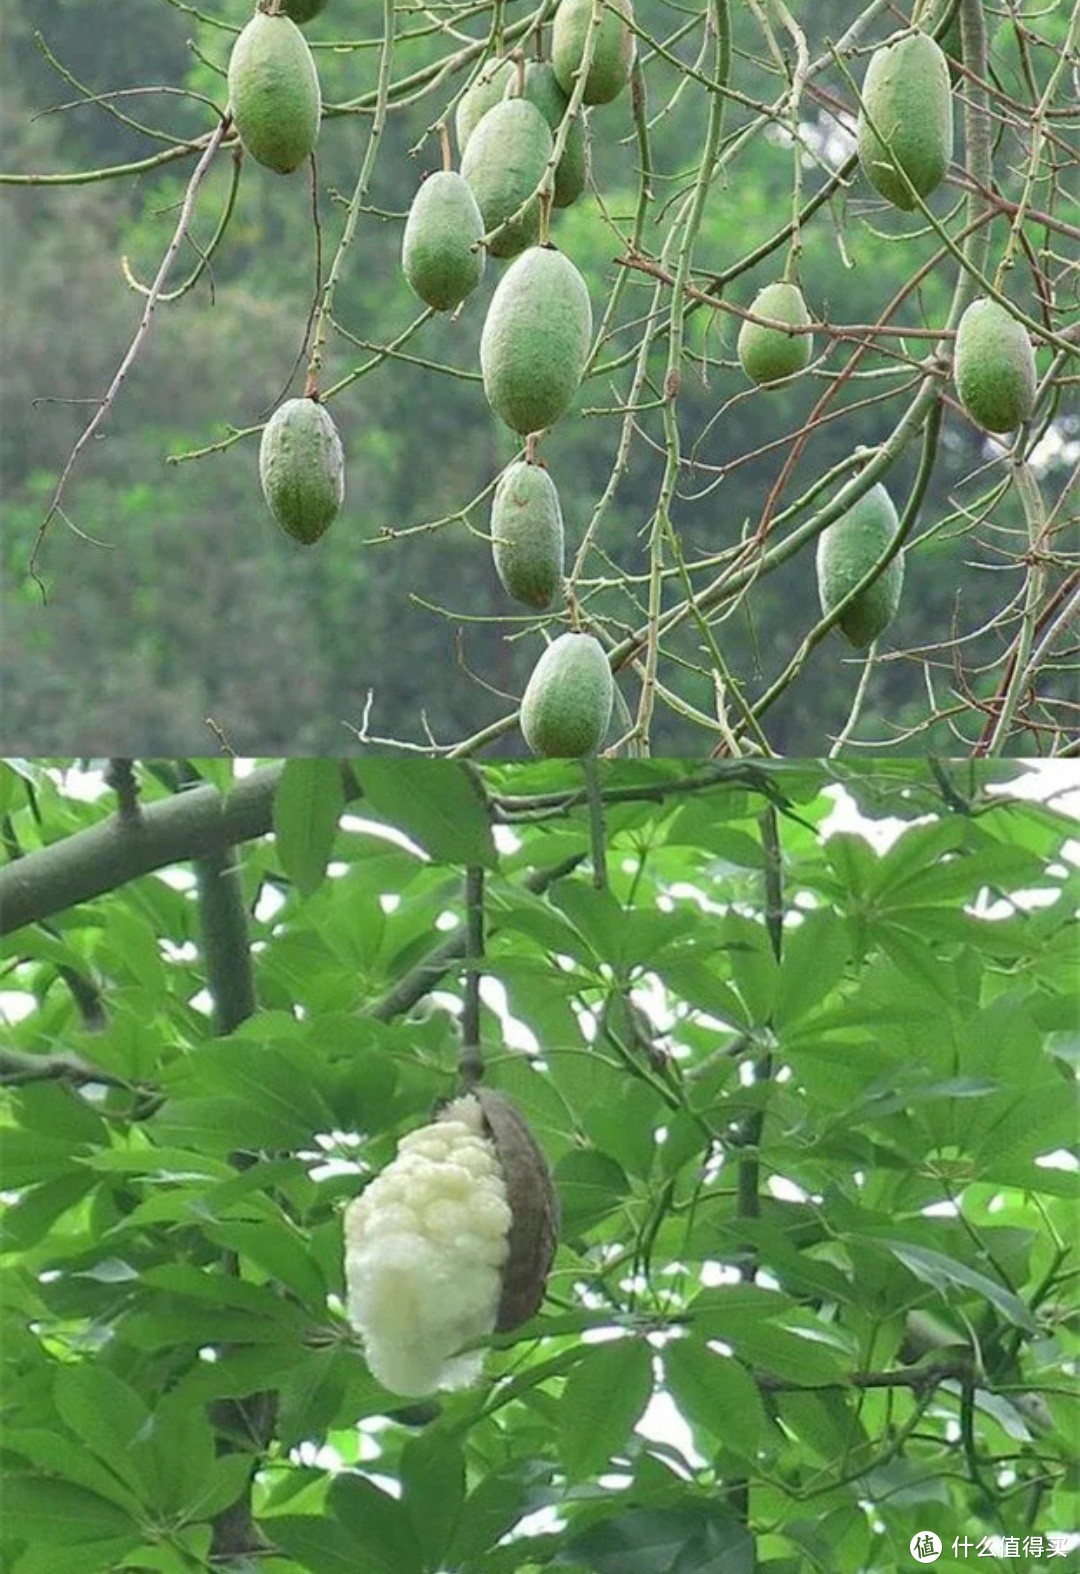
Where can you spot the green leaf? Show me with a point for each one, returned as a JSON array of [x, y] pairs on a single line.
[[603, 1400], [624, 1126], [590, 1186], [773, 1348], [944, 1272], [108, 1415], [494, 1505], [378, 1524], [319, 1545], [825, 1421], [433, 1481], [815, 955], [53, 1454], [278, 1249], [308, 804], [438, 804], [960, 878], [753, 966], [27, 1157], [716, 1393], [60, 1514], [24, 1222], [694, 1540]]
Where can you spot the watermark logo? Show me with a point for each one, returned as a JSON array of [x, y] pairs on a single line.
[[925, 1547]]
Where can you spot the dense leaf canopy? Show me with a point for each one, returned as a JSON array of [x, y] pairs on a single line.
[[798, 1042]]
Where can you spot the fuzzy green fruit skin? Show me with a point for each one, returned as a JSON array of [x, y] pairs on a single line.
[[485, 93], [302, 468], [613, 54], [566, 708], [848, 549], [503, 162], [536, 340], [301, 11], [768, 354], [437, 250], [542, 89], [274, 92], [995, 367], [906, 93], [527, 534]]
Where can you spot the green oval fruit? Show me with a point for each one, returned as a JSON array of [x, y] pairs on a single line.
[[527, 534], [613, 52], [566, 708], [504, 163], [542, 89], [906, 95], [767, 354], [994, 367], [536, 340], [484, 94], [441, 255], [848, 549], [302, 10], [274, 92], [302, 468]]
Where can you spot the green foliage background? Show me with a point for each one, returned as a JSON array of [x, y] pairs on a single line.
[[199, 606], [901, 1360]]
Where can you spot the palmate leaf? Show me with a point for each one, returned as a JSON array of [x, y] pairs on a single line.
[[603, 1399], [945, 1274], [694, 1540], [717, 1395], [61, 1514], [914, 1060], [307, 806], [439, 806], [433, 1482]]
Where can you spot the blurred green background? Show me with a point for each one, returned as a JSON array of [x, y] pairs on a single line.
[[198, 606]]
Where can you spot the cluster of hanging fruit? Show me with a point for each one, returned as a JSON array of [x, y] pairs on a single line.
[[522, 138], [905, 144], [522, 133]]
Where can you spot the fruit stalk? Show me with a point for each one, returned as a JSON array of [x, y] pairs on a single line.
[[720, 21], [356, 201]]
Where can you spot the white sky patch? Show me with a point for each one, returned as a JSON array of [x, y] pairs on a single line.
[[716, 1273], [542, 1522], [87, 786], [785, 1190], [506, 839], [187, 951], [1060, 1159], [663, 1422], [202, 1002], [940, 1210], [685, 892], [16, 1006], [271, 901], [177, 877], [845, 815], [516, 1034], [383, 833]]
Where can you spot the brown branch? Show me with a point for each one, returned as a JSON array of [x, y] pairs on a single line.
[[107, 400], [18, 1067]]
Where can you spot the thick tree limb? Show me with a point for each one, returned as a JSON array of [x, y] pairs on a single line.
[[17, 1066], [196, 823]]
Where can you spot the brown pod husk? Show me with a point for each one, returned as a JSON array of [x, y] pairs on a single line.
[[533, 1203]]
